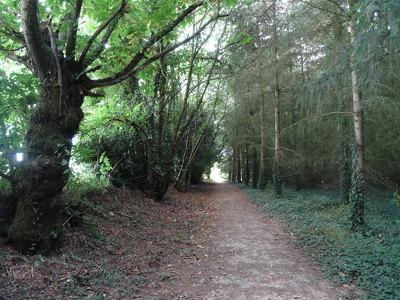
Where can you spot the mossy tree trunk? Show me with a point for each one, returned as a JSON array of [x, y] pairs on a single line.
[[37, 225]]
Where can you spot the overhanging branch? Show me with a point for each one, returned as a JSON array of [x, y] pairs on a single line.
[[20, 59], [129, 71], [12, 50], [118, 12], [172, 48], [131, 67]]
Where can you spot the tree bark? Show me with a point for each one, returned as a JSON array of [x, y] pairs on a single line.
[[277, 110], [263, 161], [37, 225], [357, 197], [255, 169], [247, 165], [239, 165]]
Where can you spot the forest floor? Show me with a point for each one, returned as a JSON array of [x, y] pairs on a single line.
[[207, 244]]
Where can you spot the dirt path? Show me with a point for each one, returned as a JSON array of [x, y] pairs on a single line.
[[241, 254]]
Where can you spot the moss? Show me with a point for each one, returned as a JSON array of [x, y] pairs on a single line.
[[36, 229]]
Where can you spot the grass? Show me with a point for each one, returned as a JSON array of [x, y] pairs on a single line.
[[320, 223]]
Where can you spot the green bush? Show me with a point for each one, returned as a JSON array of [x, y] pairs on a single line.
[[77, 193]]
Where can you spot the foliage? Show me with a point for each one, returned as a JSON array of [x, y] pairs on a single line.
[[357, 197], [319, 222], [317, 89], [263, 180], [344, 179], [277, 180], [81, 187], [396, 199], [18, 96], [157, 128]]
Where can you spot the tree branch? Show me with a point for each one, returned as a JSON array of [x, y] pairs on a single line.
[[338, 5], [73, 30], [118, 12], [12, 50], [168, 50], [96, 53], [41, 55], [124, 74], [130, 68], [4, 109], [10, 30], [322, 9], [20, 59], [210, 58], [5, 176], [89, 71], [131, 123]]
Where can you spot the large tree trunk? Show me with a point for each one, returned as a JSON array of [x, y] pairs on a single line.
[[37, 225]]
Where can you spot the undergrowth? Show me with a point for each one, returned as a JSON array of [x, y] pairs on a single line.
[[321, 225]]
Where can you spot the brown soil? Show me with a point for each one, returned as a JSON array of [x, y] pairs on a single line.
[[209, 243]]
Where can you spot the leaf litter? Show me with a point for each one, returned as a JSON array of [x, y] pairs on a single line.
[[207, 244]]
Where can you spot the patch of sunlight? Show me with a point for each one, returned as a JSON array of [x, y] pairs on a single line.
[[216, 174]]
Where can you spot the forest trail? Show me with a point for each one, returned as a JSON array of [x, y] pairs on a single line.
[[210, 243], [242, 255]]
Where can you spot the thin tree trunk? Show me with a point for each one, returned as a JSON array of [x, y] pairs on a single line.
[[239, 165], [263, 161], [255, 170], [277, 110], [247, 165], [233, 164], [357, 199]]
